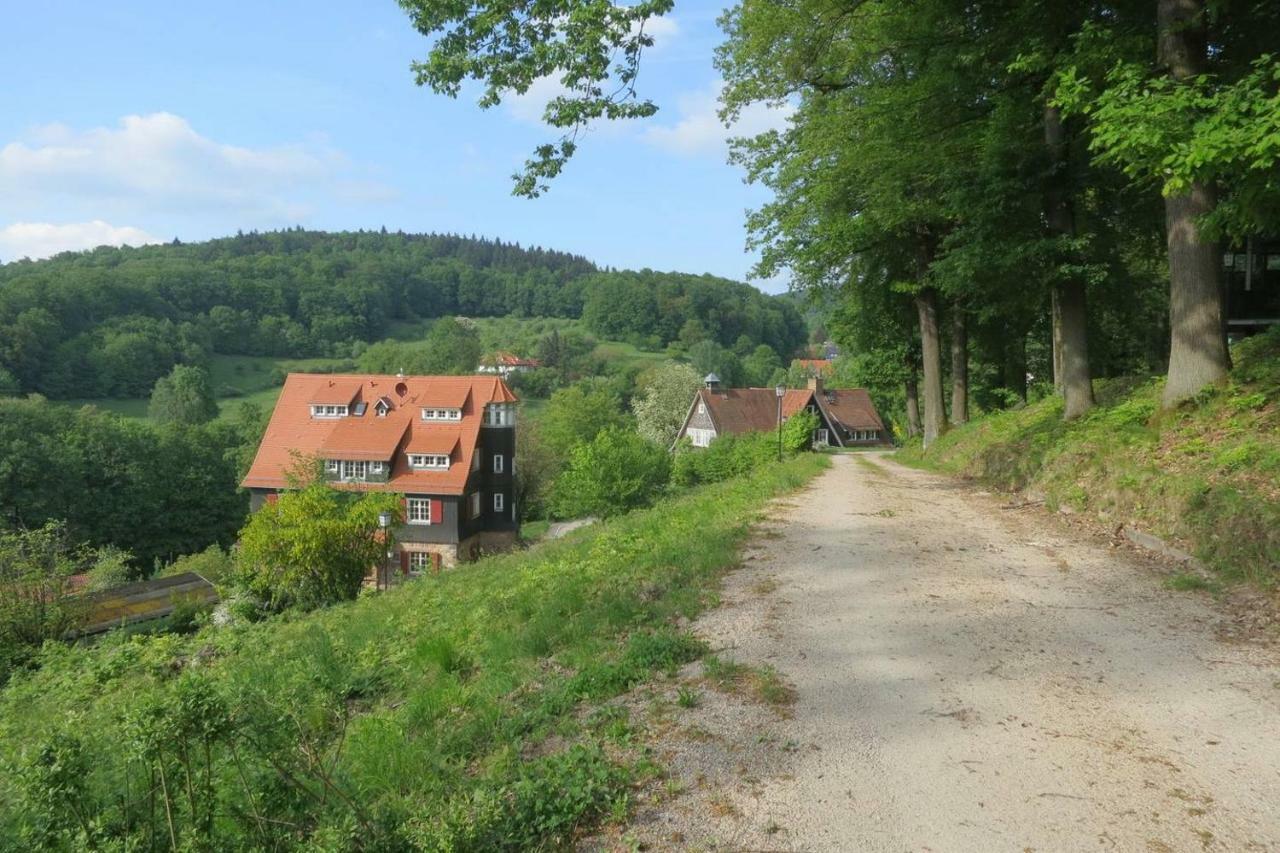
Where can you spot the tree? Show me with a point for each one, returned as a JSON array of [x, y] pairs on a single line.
[[576, 415], [1200, 125], [709, 357], [449, 348], [185, 396], [313, 546], [615, 472], [664, 401], [760, 365]]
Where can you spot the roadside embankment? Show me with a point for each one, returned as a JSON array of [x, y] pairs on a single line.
[[1204, 477]]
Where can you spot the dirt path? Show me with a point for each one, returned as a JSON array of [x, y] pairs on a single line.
[[967, 678]]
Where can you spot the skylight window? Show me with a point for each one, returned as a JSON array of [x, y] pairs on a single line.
[[442, 414]]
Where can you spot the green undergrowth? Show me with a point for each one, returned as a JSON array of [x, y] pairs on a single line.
[[462, 712], [1205, 475]]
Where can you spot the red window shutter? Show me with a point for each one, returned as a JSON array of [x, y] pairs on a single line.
[[272, 497], [437, 511], [404, 562]]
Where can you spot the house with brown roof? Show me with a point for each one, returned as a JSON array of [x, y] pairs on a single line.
[[846, 416], [446, 444]]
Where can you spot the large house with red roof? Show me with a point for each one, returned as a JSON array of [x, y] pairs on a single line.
[[846, 416], [445, 443]]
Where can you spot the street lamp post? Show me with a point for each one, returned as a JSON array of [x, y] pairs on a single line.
[[384, 521], [778, 392]]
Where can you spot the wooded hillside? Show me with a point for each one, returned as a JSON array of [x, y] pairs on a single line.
[[110, 322]]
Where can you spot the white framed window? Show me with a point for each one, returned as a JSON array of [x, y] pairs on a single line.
[[499, 501], [428, 460], [500, 414], [701, 437], [355, 469], [821, 436], [498, 463], [442, 414], [419, 561], [318, 411], [702, 407], [475, 504], [418, 510], [333, 466]]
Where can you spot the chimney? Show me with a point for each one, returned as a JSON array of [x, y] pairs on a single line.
[[712, 382], [815, 384]]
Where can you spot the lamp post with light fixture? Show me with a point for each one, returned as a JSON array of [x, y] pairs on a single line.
[[384, 521], [779, 391]]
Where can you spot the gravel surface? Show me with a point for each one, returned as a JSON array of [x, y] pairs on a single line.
[[968, 677]]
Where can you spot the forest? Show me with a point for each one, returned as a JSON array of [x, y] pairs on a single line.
[[110, 322]]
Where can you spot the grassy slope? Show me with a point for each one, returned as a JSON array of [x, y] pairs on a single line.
[[1206, 475], [469, 696]]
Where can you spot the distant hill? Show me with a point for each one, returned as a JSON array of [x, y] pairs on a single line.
[[109, 322]]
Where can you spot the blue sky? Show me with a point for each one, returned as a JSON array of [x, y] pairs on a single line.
[[134, 120]]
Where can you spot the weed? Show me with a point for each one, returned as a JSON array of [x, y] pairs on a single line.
[[1188, 582], [687, 697]]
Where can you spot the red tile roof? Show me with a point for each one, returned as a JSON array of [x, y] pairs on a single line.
[[294, 435], [337, 391], [816, 366]]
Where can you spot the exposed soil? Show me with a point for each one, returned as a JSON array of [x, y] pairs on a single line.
[[968, 675]]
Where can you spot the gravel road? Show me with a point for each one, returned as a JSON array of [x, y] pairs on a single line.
[[968, 677]]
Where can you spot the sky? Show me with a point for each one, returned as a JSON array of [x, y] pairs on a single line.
[[138, 121]]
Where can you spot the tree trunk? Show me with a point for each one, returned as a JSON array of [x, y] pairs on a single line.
[[935, 415], [959, 366], [1071, 376], [1055, 315], [1198, 352], [913, 405]]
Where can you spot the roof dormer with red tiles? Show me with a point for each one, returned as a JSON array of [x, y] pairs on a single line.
[[445, 443]]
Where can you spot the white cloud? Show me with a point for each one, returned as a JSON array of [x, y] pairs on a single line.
[[699, 130], [37, 240], [159, 162]]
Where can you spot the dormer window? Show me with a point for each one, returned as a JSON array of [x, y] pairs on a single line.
[[354, 470], [319, 411], [442, 414], [381, 407], [428, 461]]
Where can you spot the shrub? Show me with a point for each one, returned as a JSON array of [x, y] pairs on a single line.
[[312, 547], [614, 472]]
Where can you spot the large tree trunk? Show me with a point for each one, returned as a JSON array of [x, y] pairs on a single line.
[[913, 406], [959, 366], [1071, 374], [935, 415], [1198, 352]]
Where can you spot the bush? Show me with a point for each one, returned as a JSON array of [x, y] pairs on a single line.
[[614, 472], [213, 564], [312, 547]]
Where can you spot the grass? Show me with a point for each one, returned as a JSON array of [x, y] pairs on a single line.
[[1205, 475], [532, 531], [464, 712], [236, 379]]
